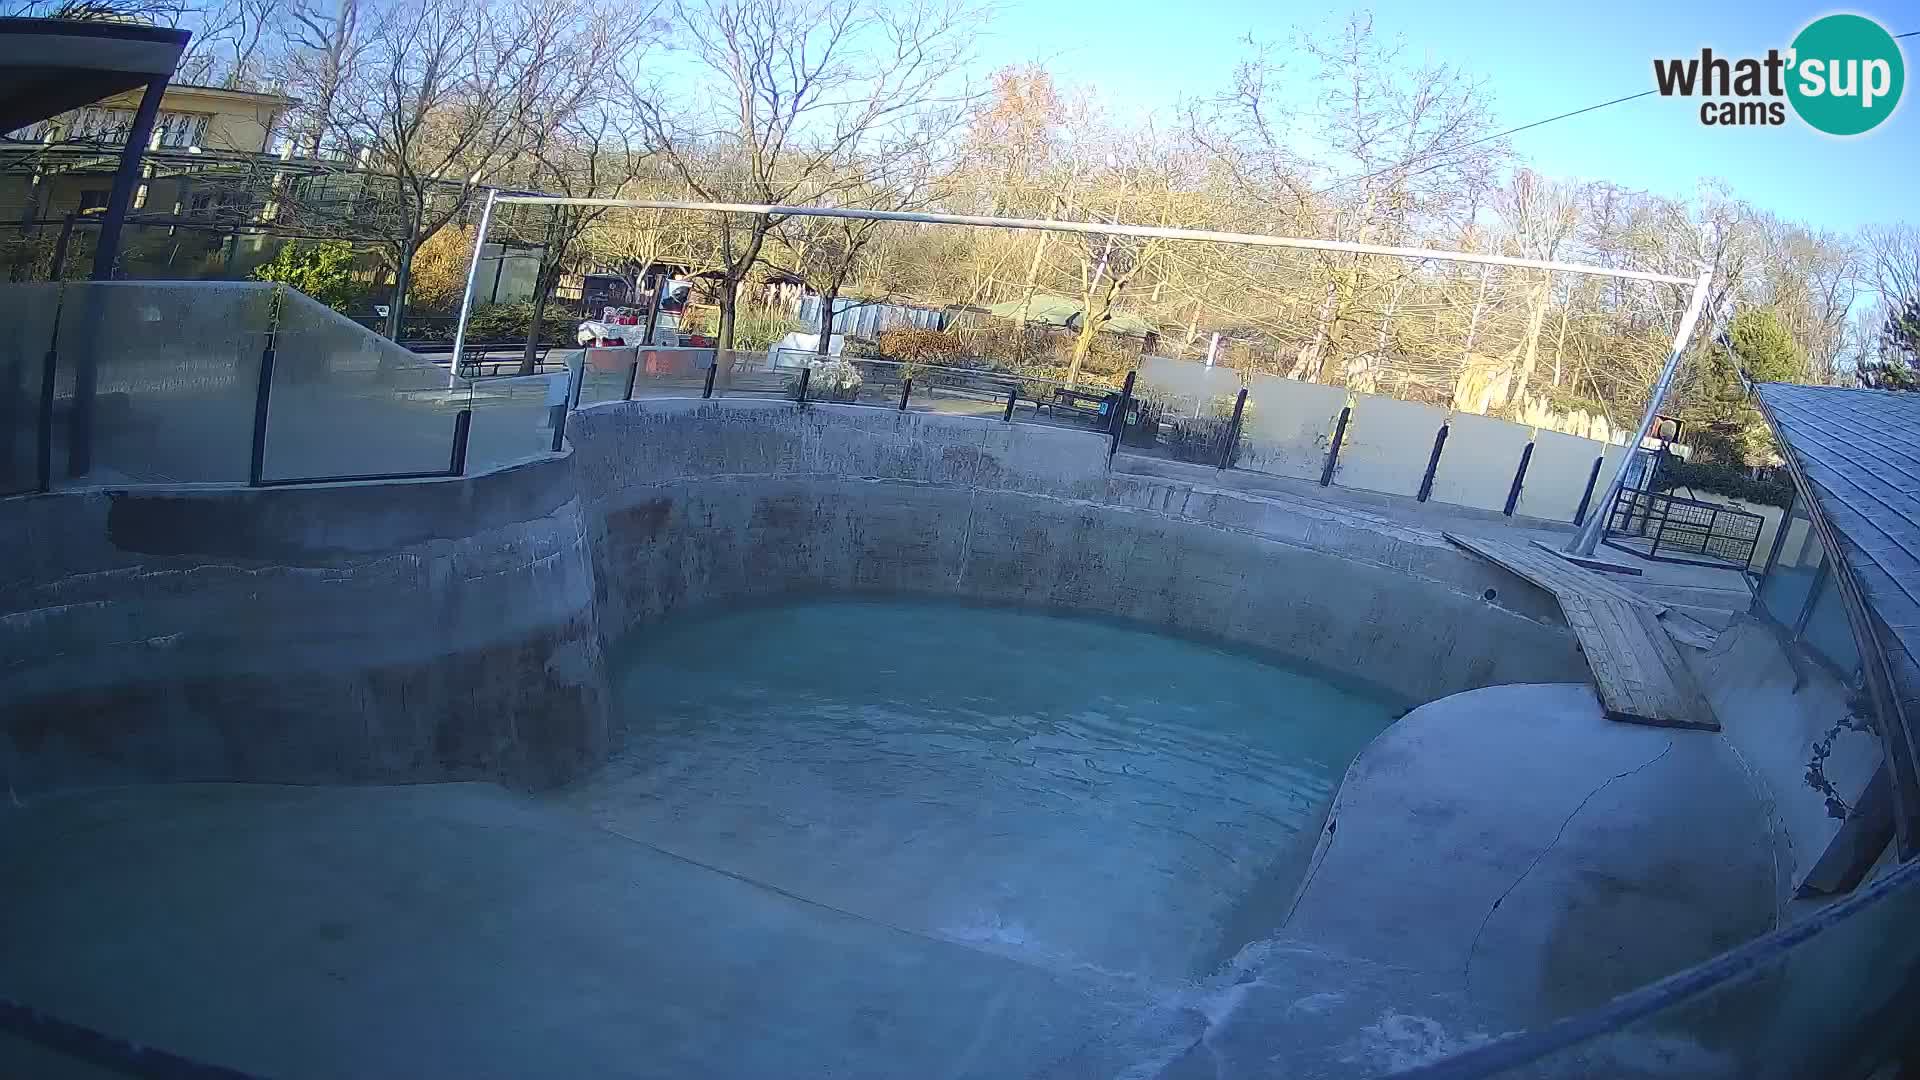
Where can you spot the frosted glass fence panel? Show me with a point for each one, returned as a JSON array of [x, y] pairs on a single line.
[[1557, 475], [513, 419], [1388, 444], [347, 402], [1287, 426], [164, 374], [1479, 462], [1187, 388], [26, 332]]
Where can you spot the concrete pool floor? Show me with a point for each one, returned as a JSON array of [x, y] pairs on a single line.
[[1496, 859]]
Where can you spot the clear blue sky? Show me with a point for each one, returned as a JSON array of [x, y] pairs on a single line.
[[1540, 59]]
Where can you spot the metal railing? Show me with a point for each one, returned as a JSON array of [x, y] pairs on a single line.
[[1669, 528]]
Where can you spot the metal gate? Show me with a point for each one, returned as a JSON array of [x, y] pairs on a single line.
[[1668, 528]]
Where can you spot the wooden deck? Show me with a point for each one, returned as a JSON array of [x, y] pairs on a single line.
[[1637, 671]]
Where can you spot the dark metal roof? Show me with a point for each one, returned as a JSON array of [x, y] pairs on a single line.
[[1856, 453], [1860, 450], [48, 66]]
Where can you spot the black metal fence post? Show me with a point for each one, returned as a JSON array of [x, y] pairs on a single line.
[[1013, 398], [462, 423], [707, 392], [1333, 448], [1433, 463], [49, 368], [1586, 497], [806, 375], [262, 399], [906, 387], [653, 310], [1119, 423], [1519, 478], [633, 374], [1232, 442]]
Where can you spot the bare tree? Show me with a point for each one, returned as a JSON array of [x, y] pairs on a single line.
[[324, 41], [591, 153], [230, 45], [789, 92], [440, 99]]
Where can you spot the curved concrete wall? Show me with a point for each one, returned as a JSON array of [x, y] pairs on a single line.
[[349, 633], [722, 502], [450, 629]]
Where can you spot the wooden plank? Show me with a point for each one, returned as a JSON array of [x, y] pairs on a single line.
[[1546, 569], [1638, 674]]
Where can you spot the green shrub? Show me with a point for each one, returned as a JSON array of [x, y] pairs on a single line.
[[1733, 481], [509, 322], [324, 271]]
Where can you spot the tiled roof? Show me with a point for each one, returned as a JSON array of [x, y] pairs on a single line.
[[1860, 450]]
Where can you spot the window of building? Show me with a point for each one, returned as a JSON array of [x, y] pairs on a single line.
[[171, 130], [178, 131]]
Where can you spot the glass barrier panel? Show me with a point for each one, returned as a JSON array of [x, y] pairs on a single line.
[[753, 374], [1827, 631], [157, 381], [673, 372], [1289, 425], [347, 402], [513, 419], [960, 392], [1784, 592], [604, 371], [27, 313], [1831, 995]]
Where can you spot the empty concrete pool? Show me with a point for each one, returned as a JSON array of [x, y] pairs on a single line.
[[744, 740]]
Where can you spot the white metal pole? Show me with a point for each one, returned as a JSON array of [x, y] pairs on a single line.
[[1213, 348], [1099, 228], [466, 296], [1588, 538]]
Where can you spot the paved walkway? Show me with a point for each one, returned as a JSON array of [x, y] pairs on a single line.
[[1672, 583]]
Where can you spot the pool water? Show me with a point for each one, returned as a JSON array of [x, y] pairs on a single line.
[[1072, 793]]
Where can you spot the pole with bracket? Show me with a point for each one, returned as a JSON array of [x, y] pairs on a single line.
[[1588, 538], [466, 296]]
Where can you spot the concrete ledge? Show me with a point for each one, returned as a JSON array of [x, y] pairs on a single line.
[[849, 500], [348, 633], [1543, 859]]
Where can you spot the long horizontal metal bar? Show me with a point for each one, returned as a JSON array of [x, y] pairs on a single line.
[[1099, 228], [356, 478]]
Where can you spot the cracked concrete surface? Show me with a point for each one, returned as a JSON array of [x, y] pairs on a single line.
[[1545, 859]]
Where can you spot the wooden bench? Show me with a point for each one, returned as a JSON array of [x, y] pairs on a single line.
[[1080, 404], [1637, 671]]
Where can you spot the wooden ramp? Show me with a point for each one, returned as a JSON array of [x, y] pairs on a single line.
[[1636, 669]]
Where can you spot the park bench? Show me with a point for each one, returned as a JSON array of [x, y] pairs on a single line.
[[1093, 408]]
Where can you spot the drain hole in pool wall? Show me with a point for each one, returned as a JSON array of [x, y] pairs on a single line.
[[1487, 596]]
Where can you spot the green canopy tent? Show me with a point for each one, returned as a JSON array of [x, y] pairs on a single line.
[[1064, 313]]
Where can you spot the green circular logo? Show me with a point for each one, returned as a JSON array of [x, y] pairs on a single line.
[[1846, 74]]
